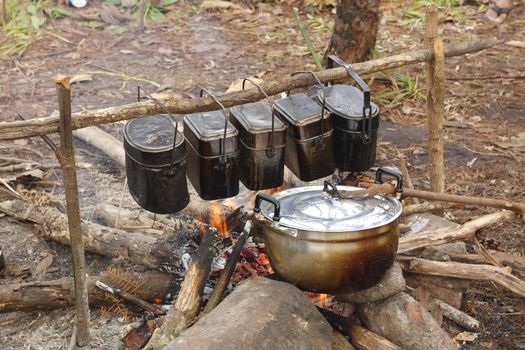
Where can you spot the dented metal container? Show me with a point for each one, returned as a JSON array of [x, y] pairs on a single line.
[[262, 139], [156, 164], [213, 154], [309, 152]]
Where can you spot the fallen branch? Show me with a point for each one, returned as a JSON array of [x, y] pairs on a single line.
[[427, 207], [501, 276], [59, 294], [49, 125], [517, 263], [447, 235], [138, 248], [183, 313]]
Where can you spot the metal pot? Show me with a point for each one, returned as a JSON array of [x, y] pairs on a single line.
[[322, 240]]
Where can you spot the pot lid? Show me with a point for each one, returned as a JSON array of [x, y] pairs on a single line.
[[299, 109], [312, 209], [256, 117], [346, 101], [152, 134], [209, 125]]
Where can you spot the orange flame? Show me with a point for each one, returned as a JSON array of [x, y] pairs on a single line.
[[322, 300], [217, 218], [263, 260]]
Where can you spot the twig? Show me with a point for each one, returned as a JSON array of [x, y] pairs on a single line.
[[407, 180], [458, 316], [12, 190], [481, 250], [427, 207], [67, 158], [499, 275], [222, 283], [131, 298], [308, 41]]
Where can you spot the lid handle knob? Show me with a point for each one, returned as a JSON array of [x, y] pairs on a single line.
[[333, 189]]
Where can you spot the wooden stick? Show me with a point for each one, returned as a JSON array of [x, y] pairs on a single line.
[[222, 283], [427, 207], [48, 125], [441, 197], [183, 313], [517, 263], [407, 180], [131, 298], [340, 342], [104, 142], [67, 153], [59, 294], [499, 275], [447, 235], [458, 316], [435, 72]]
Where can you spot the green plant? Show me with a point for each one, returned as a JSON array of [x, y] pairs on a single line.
[[405, 89], [414, 14]]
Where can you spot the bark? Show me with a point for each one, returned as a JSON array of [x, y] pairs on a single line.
[[435, 71], [183, 313], [458, 316], [517, 263], [447, 235], [355, 30], [167, 252], [49, 125], [58, 294], [67, 161], [501, 276]]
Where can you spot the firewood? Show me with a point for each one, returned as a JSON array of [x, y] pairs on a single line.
[[105, 142], [427, 207], [48, 125], [67, 162], [517, 263], [58, 294], [447, 235], [501, 276], [340, 341], [222, 282], [183, 313], [167, 252], [360, 337]]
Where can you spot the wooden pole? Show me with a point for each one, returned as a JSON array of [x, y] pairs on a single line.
[[435, 71], [5, 19], [67, 161], [49, 125]]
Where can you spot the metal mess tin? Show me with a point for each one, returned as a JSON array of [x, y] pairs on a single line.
[[309, 143], [355, 121], [262, 139], [156, 164], [213, 154]]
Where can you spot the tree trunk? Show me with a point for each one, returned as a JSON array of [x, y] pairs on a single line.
[[355, 30]]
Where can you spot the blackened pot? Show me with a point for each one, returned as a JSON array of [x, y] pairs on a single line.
[[156, 164]]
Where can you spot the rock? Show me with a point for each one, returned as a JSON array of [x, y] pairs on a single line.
[[403, 321], [392, 283], [259, 314]]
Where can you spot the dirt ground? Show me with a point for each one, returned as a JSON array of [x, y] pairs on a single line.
[[485, 128]]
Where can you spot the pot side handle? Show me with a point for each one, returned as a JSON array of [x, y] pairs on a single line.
[[398, 176], [264, 197]]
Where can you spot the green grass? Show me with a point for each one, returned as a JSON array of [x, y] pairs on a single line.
[[405, 89], [414, 14]]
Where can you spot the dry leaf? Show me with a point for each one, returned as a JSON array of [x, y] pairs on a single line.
[[42, 265], [219, 5], [237, 84], [466, 336], [79, 78]]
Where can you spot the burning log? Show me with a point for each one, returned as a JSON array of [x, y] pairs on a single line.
[[58, 294], [167, 252], [41, 126], [501, 276], [183, 313], [259, 314]]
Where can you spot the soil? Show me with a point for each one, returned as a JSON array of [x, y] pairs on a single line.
[[485, 129]]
